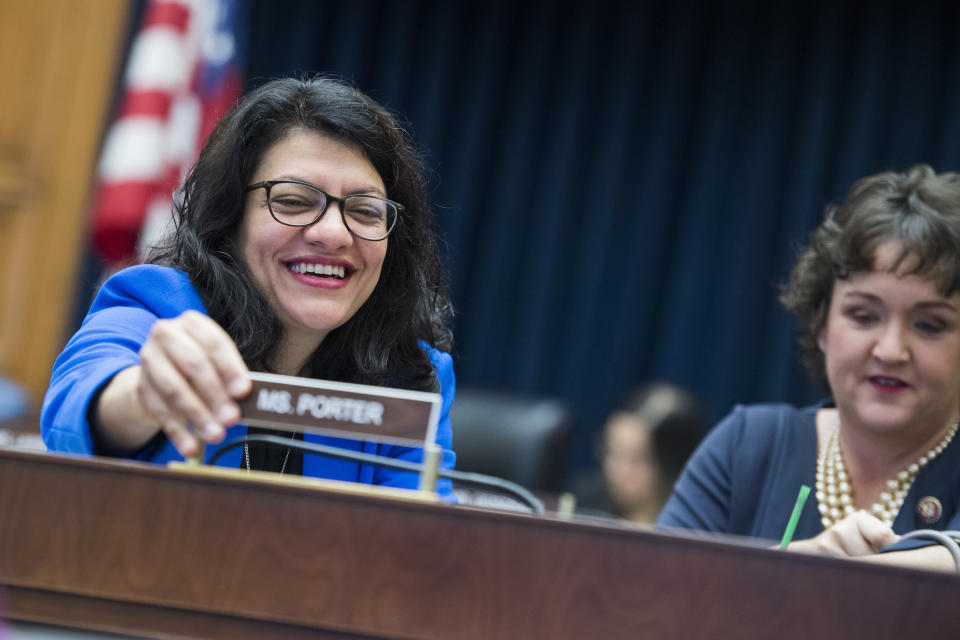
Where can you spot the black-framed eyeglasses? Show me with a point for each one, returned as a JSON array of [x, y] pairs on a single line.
[[300, 204]]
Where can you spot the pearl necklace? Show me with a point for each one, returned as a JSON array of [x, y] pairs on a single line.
[[835, 495]]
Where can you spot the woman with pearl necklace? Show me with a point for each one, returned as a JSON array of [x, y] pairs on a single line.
[[877, 300]]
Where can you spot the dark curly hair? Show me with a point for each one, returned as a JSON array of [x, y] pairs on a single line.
[[380, 343], [918, 208]]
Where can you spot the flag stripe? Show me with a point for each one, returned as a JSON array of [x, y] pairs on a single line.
[[167, 14], [146, 102], [176, 85]]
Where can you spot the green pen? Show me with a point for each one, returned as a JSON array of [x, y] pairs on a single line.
[[795, 516]]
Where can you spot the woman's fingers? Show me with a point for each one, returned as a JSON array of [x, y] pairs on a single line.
[[190, 344], [176, 430], [874, 533], [171, 392], [167, 396], [858, 534], [191, 373], [221, 352], [847, 538]]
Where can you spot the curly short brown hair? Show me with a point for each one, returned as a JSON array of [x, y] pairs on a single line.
[[918, 208]]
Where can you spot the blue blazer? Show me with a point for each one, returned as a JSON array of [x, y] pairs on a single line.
[[109, 340]]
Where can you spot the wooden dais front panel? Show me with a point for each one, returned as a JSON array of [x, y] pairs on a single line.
[[145, 550]]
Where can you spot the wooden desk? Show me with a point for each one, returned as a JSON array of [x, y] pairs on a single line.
[[139, 549]]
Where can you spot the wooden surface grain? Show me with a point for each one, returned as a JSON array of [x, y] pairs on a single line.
[[142, 549]]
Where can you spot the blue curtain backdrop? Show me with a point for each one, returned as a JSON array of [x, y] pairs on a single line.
[[621, 186]]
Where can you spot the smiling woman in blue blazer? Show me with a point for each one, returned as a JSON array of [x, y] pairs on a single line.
[[302, 246]]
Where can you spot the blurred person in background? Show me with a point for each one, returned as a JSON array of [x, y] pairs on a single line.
[[645, 442], [13, 400]]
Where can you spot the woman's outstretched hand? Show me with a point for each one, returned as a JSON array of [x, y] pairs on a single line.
[[189, 377]]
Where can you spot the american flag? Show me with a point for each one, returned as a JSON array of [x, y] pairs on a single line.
[[184, 72]]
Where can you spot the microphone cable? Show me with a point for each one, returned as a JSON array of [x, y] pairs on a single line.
[[467, 478], [944, 538]]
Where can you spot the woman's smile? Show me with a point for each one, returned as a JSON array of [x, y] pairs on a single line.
[[885, 384], [327, 274]]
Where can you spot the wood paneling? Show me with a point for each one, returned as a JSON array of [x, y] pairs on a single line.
[[144, 550], [60, 59]]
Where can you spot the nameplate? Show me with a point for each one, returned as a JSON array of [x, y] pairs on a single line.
[[341, 409]]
